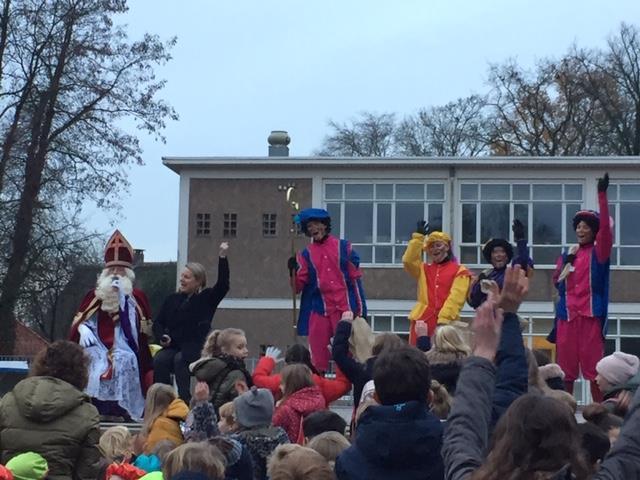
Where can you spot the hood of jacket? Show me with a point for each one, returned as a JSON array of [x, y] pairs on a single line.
[[45, 399], [177, 409], [398, 437], [307, 400]]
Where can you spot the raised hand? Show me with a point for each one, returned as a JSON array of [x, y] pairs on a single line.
[[486, 327], [224, 248], [421, 328], [201, 392], [603, 183], [292, 264], [514, 289], [518, 230], [273, 352]]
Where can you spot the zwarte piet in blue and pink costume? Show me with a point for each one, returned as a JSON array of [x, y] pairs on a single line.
[[329, 277], [582, 280]]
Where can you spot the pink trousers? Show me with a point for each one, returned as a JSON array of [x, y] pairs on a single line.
[[580, 346], [321, 329]]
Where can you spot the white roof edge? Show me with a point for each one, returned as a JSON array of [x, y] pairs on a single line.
[[178, 163]]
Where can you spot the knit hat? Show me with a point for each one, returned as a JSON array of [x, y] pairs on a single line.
[[618, 368], [28, 466], [5, 473], [254, 408], [148, 463], [590, 217]]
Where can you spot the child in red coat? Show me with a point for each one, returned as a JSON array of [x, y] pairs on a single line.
[[300, 398]]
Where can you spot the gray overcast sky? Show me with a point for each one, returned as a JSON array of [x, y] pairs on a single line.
[[243, 68]]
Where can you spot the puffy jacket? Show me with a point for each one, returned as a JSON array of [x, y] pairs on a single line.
[[51, 417], [290, 413], [167, 425], [332, 389], [221, 374], [392, 442]]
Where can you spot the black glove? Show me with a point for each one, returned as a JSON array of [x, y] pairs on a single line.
[[292, 264], [518, 230], [482, 276], [570, 258], [603, 183], [422, 227]]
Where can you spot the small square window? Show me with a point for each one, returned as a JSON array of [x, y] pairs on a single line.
[[203, 224], [269, 224], [230, 225]]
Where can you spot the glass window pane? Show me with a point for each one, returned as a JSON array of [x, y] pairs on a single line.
[[468, 191], [612, 192], [469, 223], [521, 192], [629, 192], [435, 191], [384, 191], [334, 213], [630, 346], [469, 255], [570, 211], [382, 323], [358, 222], [614, 256], [494, 192], [609, 346], [547, 223], [358, 191], [613, 327], [383, 254], [573, 192], [400, 324], [546, 255], [547, 192], [365, 253], [629, 224], [410, 192], [333, 191], [494, 221], [407, 215], [435, 216], [542, 325], [384, 222], [629, 326], [399, 252], [629, 256]]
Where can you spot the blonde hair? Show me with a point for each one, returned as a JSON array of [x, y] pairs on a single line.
[[197, 457], [448, 339], [385, 342], [227, 414], [442, 401], [115, 444], [329, 445], [294, 462], [220, 340], [199, 273], [295, 377], [159, 397]]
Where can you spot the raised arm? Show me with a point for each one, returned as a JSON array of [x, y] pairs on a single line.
[[412, 258], [352, 369], [604, 239], [220, 289]]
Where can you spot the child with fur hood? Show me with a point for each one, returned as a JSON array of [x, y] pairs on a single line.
[[222, 365]]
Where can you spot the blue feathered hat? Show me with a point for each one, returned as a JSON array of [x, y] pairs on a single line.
[[308, 214]]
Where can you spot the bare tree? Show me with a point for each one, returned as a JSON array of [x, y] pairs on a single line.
[[454, 129], [70, 77], [369, 135]]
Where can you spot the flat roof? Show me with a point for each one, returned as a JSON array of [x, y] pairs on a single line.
[[177, 164]]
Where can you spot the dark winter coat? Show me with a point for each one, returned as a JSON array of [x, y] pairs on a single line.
[[292, 411], [261, 442], [400, 442], [187, 319], [51, 417], [221, 374]]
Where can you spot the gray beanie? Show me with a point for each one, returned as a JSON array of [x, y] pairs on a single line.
[[254, 408]]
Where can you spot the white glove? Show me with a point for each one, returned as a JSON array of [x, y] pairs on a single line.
[[87, 337], [273, 352]]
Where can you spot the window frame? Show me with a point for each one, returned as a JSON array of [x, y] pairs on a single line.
[[229, 225], [203, 224]]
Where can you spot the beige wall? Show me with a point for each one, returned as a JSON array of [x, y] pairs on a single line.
[[257, 263]]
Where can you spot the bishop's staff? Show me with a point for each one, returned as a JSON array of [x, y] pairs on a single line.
[[289, 189]]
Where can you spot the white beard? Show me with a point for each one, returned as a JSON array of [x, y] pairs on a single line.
[[108, 294]]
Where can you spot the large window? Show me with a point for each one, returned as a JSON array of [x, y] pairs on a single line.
[[379, 218], [624, 208], [545, 209]]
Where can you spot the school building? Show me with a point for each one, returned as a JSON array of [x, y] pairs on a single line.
[[375, 203]]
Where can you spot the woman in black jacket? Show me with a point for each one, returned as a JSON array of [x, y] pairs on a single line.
[[185, 320]]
